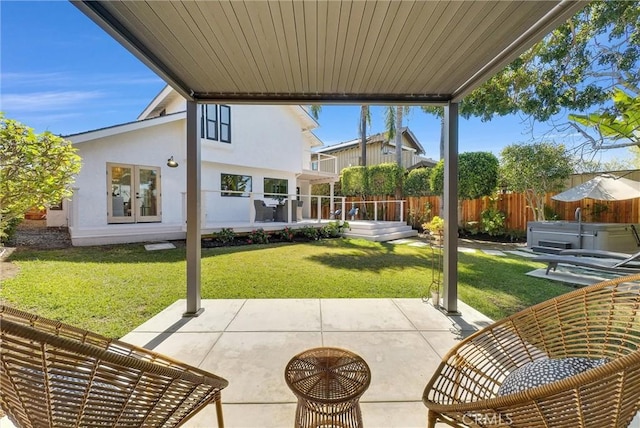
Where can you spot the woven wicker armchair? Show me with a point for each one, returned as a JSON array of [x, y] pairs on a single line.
[[56, 375], [599, 321]]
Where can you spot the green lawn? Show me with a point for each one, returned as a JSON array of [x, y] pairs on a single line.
[[113, 289]]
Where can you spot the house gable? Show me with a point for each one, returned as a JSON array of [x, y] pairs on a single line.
[[379, 150]]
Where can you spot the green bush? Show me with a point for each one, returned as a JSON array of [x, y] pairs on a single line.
[[417, 182], [473, 227], [516, 235], [417, 219], [333, 229], [310, 233], [10, 230], [493, 221], [226, 235], [287, 234], [258, 236], [435, 226], [384, 178], [550, 213]]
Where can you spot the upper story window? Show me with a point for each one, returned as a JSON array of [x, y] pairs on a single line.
[[209, 121], [225, 124], [215, 122]]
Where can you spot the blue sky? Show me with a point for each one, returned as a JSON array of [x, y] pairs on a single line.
[[62, 73]]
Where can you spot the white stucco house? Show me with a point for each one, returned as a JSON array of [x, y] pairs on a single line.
[[131, 190]]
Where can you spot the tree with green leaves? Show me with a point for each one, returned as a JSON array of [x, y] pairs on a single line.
[[574, 68], [478, 174], [365, 118], [621, 125], [384, 178], [374, 180], [354, 181], [36, 170], [535, 169], [393, 119], [635, 157], [416, 183]]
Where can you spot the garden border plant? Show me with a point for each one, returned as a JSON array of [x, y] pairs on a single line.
[[227, 237]]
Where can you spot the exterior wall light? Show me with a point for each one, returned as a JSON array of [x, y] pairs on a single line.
[[171, 163]]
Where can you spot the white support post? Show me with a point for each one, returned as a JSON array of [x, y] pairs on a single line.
[[73, 210], [332, 208], [375, 210]]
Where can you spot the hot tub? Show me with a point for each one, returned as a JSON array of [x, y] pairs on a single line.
[[592, 236]]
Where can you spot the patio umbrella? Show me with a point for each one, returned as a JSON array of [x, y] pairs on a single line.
[[605, 187]]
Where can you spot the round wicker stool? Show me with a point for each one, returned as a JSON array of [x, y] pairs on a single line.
[[328, 383]]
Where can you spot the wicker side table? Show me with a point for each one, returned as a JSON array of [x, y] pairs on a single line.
[[328, 383]]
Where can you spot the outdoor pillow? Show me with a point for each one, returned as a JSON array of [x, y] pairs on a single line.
[[542, 372]]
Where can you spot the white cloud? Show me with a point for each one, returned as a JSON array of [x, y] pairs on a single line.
[[34, 79], [118, 79], [15, 81], [47, 101]]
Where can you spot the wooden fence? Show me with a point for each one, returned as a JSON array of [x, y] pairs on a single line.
[[518, 213]]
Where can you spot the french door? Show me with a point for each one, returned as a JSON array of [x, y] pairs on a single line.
[[133, 193]]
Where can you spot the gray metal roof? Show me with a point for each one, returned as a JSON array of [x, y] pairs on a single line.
[[310, 51], [381, 136]]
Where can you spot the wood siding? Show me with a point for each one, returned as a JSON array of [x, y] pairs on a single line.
[[351, 156]]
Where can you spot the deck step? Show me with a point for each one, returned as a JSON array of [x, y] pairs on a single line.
[[380, 231], [555, 244]]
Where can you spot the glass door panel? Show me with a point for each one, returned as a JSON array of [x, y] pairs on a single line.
[[148, 194], [120, 179]]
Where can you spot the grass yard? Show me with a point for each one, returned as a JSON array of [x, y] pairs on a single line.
[[113, 289]]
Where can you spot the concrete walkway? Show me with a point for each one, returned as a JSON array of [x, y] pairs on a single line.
[[249, 342]]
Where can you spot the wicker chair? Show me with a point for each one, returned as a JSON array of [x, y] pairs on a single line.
[[56, 375], [263, 212], [599, 321]]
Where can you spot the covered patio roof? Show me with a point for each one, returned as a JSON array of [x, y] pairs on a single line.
[[320, 51], [327, 51]]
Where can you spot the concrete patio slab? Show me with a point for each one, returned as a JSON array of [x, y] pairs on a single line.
[[254, 362], [401, 363], [171, 319], [249, 343], [363, 315], [278, 315]]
